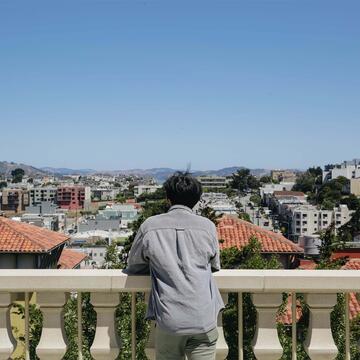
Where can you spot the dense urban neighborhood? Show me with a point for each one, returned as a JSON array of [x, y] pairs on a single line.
[[275, 219]]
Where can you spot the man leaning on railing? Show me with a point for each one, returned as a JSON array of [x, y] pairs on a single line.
[[180, 250]]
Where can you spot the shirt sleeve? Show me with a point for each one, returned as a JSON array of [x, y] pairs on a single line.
[[138, 262], [215, 260]]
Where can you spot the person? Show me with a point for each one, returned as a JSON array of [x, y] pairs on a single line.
[[180, 250]]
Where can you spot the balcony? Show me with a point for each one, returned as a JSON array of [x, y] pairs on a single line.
[[320, 289]]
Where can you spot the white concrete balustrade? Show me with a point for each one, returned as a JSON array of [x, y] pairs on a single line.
[[266, 286]]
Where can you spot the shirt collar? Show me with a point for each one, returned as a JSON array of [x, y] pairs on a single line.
[[180, 207]]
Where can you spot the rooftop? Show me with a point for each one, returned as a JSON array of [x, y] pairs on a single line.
[[18, 237], [288, 193], [236, 232], [70, 259]]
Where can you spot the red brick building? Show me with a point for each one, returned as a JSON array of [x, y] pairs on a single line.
[[73, 197]]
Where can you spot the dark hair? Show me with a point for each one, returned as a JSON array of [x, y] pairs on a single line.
[[183, 189]]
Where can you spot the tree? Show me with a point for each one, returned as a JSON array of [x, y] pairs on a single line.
[[244, 216], [209, 213], [309, 180], [17, 175], [266, 179], [256, 199], [3, 184], [329, 244], [159, 194], [243, 180], [332, 192], [352, 202], [351, 229]]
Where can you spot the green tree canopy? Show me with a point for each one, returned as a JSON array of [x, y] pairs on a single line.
[[309, 180], [17, 175], [243, 180]]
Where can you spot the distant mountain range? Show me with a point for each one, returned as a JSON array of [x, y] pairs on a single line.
[[159, 174], [66, 171], [7, 167]]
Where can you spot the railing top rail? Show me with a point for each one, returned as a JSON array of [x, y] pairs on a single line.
[[307, 281]]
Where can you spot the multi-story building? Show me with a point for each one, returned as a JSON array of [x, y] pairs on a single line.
[[355, 186], [14, 200], [307, 220], [145, 189], [280, 201], [126, 212], [267, 190], [213, 182], [348, 169], [42, 194], [283, 175], [73, 197], [104, 194]]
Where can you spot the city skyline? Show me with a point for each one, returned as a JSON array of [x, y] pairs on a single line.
[[141, 84]]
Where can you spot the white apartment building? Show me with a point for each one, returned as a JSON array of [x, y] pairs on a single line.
[[269, 189], [42, 194], [307, 220], [145, 189], [348, 169], [213, 182]]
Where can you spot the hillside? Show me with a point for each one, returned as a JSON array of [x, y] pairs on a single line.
[[7, 167]]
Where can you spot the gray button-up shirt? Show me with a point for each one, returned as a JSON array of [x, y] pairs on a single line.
[[180, 250]]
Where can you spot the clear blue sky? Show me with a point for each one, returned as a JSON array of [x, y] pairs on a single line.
[[127, 84]]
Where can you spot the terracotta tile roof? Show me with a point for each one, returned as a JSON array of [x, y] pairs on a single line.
[[288, 193], [352, 264], [236, 232], [69, 259], [18, 237]]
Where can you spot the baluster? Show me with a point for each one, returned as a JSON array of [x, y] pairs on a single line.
[[150, 346], [106, 343], [319, 343], [266, 342], [222, 348], [7, 341], [52, 345]]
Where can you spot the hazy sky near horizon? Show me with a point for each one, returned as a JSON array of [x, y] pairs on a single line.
[[139, 84]]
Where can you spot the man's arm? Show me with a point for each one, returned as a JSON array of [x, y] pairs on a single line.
[[215, 260], [138, 263]]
